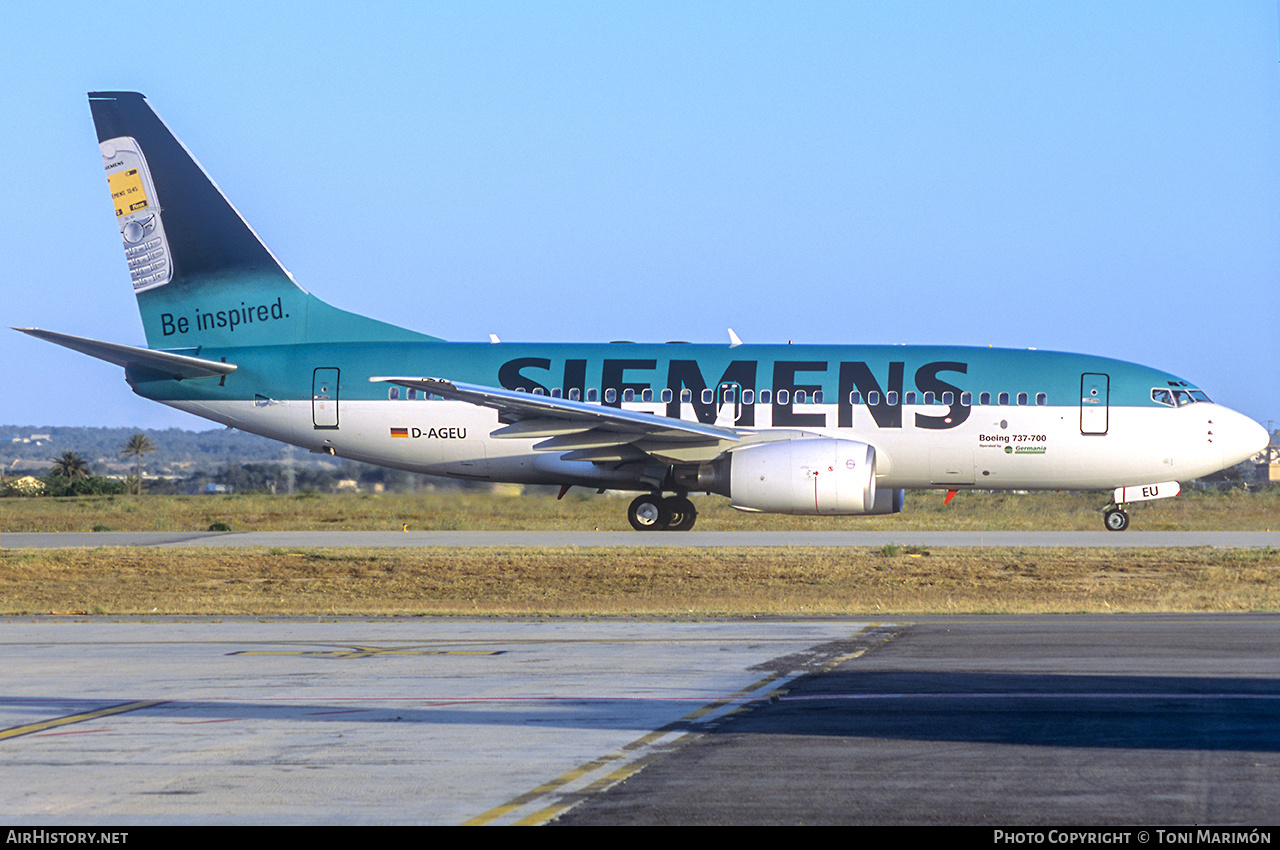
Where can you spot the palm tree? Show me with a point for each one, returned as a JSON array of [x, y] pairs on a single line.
[[70, 465], [138, 445]]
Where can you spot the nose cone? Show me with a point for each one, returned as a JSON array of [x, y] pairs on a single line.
[[1239, 436]]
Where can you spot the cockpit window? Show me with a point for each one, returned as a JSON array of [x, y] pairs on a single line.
[[1178, 398]]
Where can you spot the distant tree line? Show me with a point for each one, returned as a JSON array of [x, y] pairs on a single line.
[[173, 446], [70, 474]]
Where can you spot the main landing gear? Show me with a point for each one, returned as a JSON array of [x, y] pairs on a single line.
[[652, 512]]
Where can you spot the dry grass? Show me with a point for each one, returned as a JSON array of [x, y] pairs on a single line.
[[668, 582], [635, 582]]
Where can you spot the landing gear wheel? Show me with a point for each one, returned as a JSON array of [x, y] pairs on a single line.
[[649, 513], [683, 514], [1115, 519]]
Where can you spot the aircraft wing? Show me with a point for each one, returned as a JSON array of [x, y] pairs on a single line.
[[162, 364], [588, 432]]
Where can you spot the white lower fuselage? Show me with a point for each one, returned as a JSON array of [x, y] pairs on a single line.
[[998, 447]]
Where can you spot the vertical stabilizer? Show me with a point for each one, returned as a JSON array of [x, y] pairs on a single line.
[[202, 277]]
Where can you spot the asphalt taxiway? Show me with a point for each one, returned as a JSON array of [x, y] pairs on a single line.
[[966, 720]]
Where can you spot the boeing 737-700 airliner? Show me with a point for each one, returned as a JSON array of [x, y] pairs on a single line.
[[788, 429]]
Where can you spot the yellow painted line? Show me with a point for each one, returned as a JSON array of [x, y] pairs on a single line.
[[529, 796], [836, 662], [30, 728], [621, 773], [635, 766]]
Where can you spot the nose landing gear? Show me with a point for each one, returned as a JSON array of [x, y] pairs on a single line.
[[1115, 518]]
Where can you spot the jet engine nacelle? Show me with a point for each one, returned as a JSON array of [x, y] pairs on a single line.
[[809, 476]]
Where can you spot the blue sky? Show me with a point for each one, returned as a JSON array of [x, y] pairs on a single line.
[[1096, 177]]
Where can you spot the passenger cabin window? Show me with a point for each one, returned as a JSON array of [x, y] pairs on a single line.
[[984, 398], [766, 396], [909, 398], [610, 395], [1041, 399], [948, 398], [646, 395], [686, 396], [1022, 398], [1003, 398], [575, 394], [801, 397], [393, 393], [708, 396], [628, 395], [783, 397], [593, 395], [928, 398], [855, 397], [966, 399], [748, 396], [667, 395]]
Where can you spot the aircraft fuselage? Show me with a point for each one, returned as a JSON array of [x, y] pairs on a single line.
[[937, 416]]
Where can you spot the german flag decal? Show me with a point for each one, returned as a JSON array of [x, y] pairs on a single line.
[[400, 432]]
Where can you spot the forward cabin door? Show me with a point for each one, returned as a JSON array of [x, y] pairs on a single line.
[[324, 398], [1095, 403]]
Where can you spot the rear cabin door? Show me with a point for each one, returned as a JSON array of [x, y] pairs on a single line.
[[324, 398]]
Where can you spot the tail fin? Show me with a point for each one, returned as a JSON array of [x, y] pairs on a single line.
[[202, 277]]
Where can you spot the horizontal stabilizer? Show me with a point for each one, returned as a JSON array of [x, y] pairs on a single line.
[[163, 363]]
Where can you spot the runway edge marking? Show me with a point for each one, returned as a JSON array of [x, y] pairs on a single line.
[[633, 757]]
